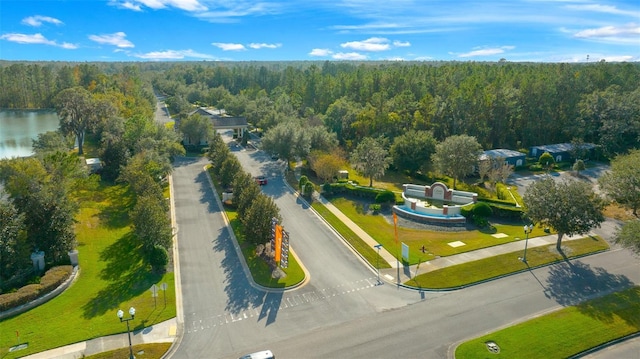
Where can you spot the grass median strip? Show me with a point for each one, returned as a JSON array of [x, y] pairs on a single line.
[[483, 269], [259, 269], [563, 333], [367, 252]]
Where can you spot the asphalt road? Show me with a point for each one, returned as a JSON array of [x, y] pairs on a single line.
[[341, 311], [224, 315], [432, 328]]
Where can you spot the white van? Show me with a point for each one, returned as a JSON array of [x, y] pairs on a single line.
[[265, 354]]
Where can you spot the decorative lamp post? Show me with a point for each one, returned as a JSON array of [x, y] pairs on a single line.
[[132, 313], [378, 246], [527, 230]]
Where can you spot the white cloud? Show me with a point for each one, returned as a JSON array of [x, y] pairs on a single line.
[[68, 46], [126, 5], [173, 55], [349, 56], [320, 52], [371, 44], [487, 51], [401, 43], [626, 34], [116, 39], [229, 46], [607, 9], [136, 5], [35, 39], [264, 46], [38, 20]]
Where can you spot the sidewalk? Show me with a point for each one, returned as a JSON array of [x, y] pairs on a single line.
[[164, 332], [406, 273]]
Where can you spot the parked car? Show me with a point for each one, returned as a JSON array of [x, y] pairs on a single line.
[[262, 180], [265, 354]]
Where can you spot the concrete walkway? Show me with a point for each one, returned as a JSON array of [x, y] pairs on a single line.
[[406, 273]]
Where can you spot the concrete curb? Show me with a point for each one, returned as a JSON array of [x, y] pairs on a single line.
[[243, 261]]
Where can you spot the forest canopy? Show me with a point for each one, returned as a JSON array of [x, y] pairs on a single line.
[[502, 105]]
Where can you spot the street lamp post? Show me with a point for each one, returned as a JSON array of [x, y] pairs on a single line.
[[378, 246], [527, 230], [132, 313]]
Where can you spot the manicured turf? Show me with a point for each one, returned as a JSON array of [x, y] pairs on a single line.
[[112, 276], [141, 351], [369, 253], [565, 332], [435, 242], [258, 267], [483, 269]]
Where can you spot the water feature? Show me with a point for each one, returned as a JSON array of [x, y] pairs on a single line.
[[435, 204], [18, 128]]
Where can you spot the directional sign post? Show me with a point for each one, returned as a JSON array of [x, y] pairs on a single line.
[[163, 286], [154, 294]]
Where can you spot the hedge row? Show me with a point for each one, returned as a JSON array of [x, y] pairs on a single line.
[[51, 280], [377, 194]]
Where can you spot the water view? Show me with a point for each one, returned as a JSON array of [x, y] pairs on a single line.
[[18, 128]]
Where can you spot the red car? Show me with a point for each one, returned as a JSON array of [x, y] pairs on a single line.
[[262, 180]]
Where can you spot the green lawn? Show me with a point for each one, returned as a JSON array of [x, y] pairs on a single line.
[[435, 242], [112, 276], [565, 332], [472, 272], [257, 266], [141, 351]]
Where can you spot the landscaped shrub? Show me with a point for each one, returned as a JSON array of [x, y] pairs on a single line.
[[482, 209], [51, 280], [375, 208], [385, 197], [467, 211], [503, 193], [327, 188], [54, 277], [308, 189], [159, 258], [302, 182], [535, 167]]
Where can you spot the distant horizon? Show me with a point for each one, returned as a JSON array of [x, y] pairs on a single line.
[[527, 31]]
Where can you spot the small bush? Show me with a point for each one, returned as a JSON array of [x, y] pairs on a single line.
[[303, 181], [481, 222], [482, 209], [385, 197], [51, 280], [308, 189], [159, 258], [375, 208], [54, 277]]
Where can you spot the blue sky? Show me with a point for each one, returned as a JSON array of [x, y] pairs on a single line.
[[276, 30]]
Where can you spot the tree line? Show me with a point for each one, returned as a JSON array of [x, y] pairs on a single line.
[[502, 105], [40, 198]]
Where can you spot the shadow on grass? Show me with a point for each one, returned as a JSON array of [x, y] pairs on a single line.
[[624, 305], [572, 283], [119, 201], [127, 273]]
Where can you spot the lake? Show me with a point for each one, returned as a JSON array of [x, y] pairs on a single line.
[[19, 127]]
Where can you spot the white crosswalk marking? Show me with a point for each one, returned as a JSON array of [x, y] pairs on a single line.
[[287, 301]]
